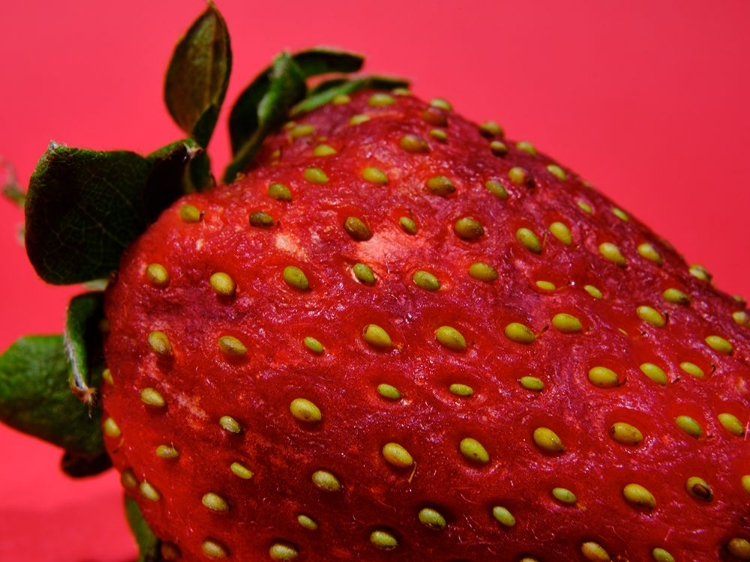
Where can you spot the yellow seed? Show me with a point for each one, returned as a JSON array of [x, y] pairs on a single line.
[[612, 253], [700, 272], [282, 552], [359, 119], [594, 552], [547, 440], [223, 284], [305, 411], [719, 344], [159, 342], [167, 452], [380, 98], [280, 192], [732, 424], [593, 291], [441, 103], [661, 555], [546, 285], [229, 424], [655, 373], [241, 471], [699, 489], [302, 130], [425, 280], [689, 426], [567, 323], [519, 333], [473, 450], [149, 492], [498, 148], [324, 150], [397, 455], [491, 129], [325, 481], [357, 229], [692, 369], [468, 228], [190, 214], [527, 147], [603, 377], [648, 251], [414, 144], [740, 548], [388, 391], [432, 519], [229, 345], [215, 502], [518, 175], [313, 345], [746, 482], [503, 516], [741, 317], [157, 274], [620, 214], [439, 135], [496, 188], [482, 271], [451, 338], [364, 274], [585, 207], [652, 316], [340, 99], [375, 175], [296, 278], [107, 376], [557, 171], [315, 175], [532, 383], [376, 336], [260, 219], [383, 540], [307, 522], [625, 433], [461, 390], [435, 116], [676, 296], [214, 550], [561, 232], [440, 185], [564, 495], [111, 429], [129, 481], [408, 225], [639, 496], [529, 240]]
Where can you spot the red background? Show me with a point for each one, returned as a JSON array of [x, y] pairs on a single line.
[[648, 100]]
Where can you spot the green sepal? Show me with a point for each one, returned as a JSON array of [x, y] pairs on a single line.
[[10, 188], [83, 466], [179, 168], [84, 345], [198, 76], [286, 88], [149, 546], [244, 119], [35, 397], [326, 91]]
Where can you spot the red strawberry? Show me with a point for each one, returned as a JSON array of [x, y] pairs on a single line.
[[402, 336]]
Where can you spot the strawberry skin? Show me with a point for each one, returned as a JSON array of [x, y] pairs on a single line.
[[402, 336]]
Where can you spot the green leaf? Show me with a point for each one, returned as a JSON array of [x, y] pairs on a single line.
[[244, 119], [177, 169], [83, 209], [83, 466], [35, 397], [286, 88], [83, 343], [198, 76], [326, 91], [10, 188], [149, 545]]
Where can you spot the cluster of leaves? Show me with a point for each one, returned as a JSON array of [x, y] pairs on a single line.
[[84, 208]]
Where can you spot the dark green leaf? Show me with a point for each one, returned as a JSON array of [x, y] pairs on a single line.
[[83, 209], [83, 342], [329, 90], [83, 466], [35, 397], [244, 119], [198, 75], [149, 545], [286, 88], [172, 175]]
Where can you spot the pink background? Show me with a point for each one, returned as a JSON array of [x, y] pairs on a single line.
[[646, 99]]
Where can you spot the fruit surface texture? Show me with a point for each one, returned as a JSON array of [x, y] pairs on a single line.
[[402, 336]]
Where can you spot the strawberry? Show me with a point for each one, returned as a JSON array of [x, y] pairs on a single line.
[[399, 335]]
